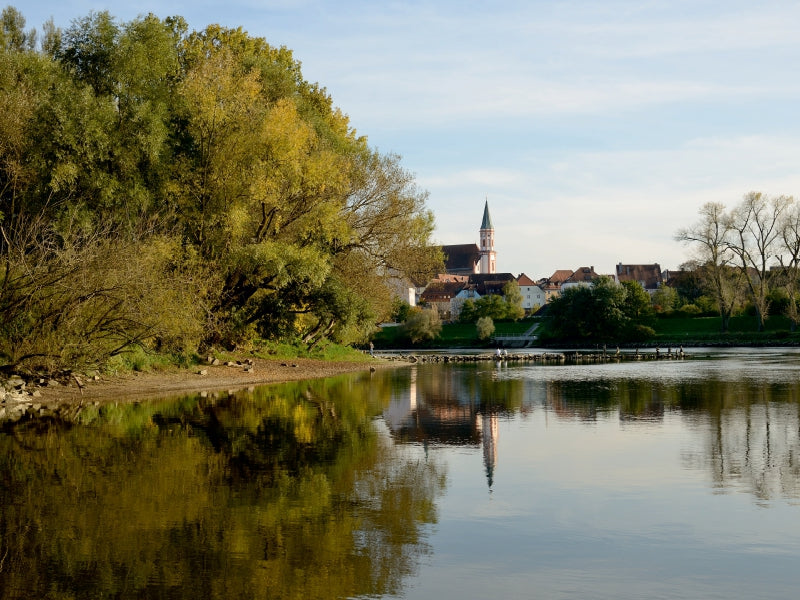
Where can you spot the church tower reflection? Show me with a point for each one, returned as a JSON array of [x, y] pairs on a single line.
[[432, 409], [488, 426]]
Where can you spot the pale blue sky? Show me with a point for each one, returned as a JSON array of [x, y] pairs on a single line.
[[595, 128]]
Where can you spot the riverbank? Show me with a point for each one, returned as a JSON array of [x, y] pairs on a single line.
[[43, 395]]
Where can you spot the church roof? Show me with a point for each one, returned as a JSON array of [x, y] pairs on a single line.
[[487, 220], [461, 258]]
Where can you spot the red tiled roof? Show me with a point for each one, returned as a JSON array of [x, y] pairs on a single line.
[[525, 280], [560, 276]]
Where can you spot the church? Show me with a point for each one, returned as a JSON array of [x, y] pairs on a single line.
[[470, 273], [469, 259]]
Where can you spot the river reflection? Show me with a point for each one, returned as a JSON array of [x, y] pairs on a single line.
[[287, 492], [668, 479]]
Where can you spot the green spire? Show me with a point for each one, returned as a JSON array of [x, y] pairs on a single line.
[[487, 220]]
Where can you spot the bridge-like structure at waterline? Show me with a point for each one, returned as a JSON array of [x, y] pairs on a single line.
[[523, 340]]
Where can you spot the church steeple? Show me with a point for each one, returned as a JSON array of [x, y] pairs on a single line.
[[487, 220], [488, 255]]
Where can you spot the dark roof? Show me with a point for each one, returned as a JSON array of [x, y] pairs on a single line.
[[648, 275], [486, 277], [442, 291], [461, 258], [487, 220], [490, 283]]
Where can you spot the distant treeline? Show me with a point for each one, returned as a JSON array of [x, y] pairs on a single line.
[[183, 190]]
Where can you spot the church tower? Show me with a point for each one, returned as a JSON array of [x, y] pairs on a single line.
[[488, 255]]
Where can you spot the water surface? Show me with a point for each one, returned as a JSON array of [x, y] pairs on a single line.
[[668, 479]]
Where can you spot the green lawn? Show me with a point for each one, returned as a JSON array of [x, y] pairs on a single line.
[[454, 335], [671, 331], [741, 330]]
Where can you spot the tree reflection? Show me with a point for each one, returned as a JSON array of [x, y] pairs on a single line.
[[288, 492], [749, 430]]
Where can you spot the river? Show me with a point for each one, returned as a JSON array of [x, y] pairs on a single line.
[[638, 479]]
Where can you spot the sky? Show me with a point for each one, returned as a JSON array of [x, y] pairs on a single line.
[[595, 129]]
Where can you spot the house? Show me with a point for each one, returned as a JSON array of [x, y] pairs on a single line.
[[533, 295], [490, 283], [447, 293], [439, 295], [581, 276], [649, 277]]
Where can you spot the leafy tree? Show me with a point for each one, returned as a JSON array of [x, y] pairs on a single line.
[[422, 324], [513, 297], [400, 310], [638, 305], [468, 312], [485, 328], [12, 34], [280, 220], [665, 299], [601, 312]]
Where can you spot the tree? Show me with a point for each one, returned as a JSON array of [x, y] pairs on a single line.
[[638, 305], [513, 298], [755, 233], [281, 220], [422, 324], [710, 236], [665, 299], [12, 34], [485, 328], [790, 262], [600, 312]]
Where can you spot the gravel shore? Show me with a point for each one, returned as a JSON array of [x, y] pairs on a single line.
[[229, 376]]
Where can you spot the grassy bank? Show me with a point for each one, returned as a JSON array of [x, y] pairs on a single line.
[[686, 331], [697, 331], [453, 335]]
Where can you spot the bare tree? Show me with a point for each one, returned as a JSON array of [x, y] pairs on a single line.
[[754, 238], [790, 262], [710, 237]]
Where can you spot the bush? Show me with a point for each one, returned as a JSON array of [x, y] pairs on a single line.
[[485, 328], [422, 324], [689, 310]]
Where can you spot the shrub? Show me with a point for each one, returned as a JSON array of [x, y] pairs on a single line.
[[485, 328]]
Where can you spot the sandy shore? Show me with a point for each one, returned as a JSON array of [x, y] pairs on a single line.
[[209, 378]]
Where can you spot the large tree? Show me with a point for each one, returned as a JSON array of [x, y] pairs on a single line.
[[710, 237], [601, 312], [264, 203], [755, 234]]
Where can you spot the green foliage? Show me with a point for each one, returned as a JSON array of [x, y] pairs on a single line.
[[202, 167], [494, 306], [484, 328], [602, 312], [421, 325], [665, 299], [513, 298], [400, 310]]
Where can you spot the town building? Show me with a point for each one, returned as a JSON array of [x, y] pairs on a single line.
[[649, 277], [533, 295]]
